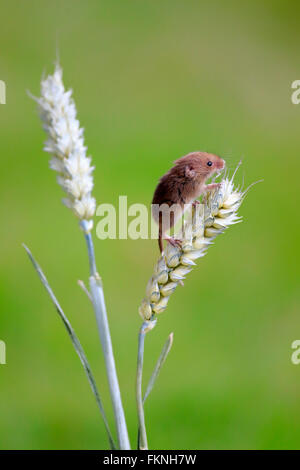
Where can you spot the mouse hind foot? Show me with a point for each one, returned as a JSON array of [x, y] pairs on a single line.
[[173, 241]]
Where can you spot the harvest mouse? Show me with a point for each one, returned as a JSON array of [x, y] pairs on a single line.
[[181, 185]]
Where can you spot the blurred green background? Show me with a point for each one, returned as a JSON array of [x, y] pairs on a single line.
[[152, 81]]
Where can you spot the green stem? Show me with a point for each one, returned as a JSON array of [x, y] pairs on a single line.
[[142, 435], [105, 338], [142, 444]]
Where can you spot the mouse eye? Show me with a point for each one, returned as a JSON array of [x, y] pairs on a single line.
[[209, 163]]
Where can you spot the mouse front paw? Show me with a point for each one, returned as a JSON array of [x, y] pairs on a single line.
[[213, 186]]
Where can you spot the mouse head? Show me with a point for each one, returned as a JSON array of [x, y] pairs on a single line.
[[202, 163]]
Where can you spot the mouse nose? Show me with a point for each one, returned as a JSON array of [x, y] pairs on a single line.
[[224, 163]]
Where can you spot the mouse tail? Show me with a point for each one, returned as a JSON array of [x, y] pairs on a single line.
[[160, 244], [160, 235]]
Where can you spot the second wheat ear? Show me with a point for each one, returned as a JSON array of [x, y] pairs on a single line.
[[202, 224]]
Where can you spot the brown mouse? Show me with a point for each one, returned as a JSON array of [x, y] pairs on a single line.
[[181, 185]]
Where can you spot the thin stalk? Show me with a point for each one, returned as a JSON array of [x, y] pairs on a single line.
[[104, 333], [142, 439], [142, 434], [163, 356]]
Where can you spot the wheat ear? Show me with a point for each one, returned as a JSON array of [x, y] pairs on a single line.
[[202, 224], [65, 143]]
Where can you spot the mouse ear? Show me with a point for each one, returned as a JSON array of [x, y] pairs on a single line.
[[189, 172]]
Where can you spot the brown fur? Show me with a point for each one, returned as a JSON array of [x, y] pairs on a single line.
[[181, 185]]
